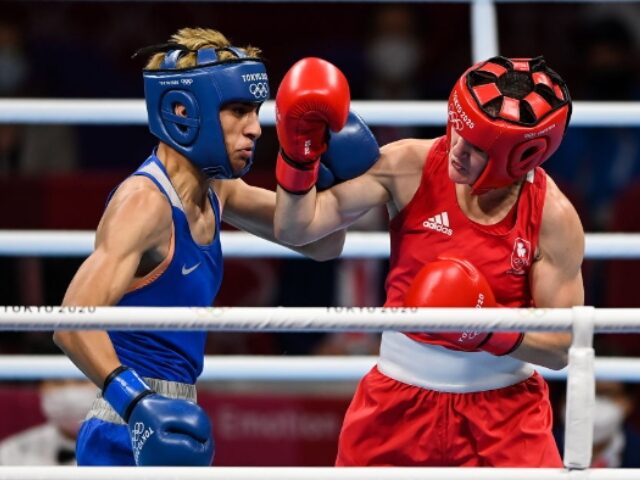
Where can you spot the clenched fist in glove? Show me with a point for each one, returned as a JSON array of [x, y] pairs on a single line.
[[164, 431], [453, 282], [312, 99], [351, 152]]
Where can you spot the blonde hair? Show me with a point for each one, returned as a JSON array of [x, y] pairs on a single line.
[[195, 39]]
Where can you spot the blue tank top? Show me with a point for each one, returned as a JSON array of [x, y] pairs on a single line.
[[190, 276]]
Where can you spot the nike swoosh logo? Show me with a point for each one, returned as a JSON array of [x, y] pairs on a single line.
[[187, 271]]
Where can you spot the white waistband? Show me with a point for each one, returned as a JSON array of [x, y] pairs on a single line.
[[438, 368]]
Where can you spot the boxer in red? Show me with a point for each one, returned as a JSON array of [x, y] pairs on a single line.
[[474, 221]]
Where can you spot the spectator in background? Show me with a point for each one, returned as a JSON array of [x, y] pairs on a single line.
[[64, 404], [597, 164], [26, 150], [394, 55], [616, 442]]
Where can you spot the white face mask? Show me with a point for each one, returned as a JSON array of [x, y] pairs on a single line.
[[66, 406], [608, 419], [13, 71], [393, 57]]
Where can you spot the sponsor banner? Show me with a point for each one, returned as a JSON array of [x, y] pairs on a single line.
[[251, 429], [267, 430]]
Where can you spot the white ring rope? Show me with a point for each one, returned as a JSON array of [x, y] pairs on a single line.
[[312, 319], [76, 243], [369, 1], [281, 368], [397, 113], [311, 473]]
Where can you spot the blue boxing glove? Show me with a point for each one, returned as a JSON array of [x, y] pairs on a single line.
[[164, 431], [351, 152]]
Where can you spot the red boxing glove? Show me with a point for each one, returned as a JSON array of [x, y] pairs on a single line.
[[313, 95], [452, 282]]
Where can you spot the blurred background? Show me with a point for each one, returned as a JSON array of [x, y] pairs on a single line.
[[58, 177]]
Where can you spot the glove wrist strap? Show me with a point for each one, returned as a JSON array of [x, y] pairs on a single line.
[[294, 177], [502, 343], [123, 389]]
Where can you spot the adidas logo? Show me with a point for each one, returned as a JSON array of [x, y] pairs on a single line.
[[439, 223]]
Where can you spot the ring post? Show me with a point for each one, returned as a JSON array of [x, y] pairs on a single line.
[[580, 407]]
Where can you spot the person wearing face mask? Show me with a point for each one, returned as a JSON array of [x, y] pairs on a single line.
[[13, 68], [608, 434], [64, 404], [616, 442], [28, 149], [393, 55], [608, 69]]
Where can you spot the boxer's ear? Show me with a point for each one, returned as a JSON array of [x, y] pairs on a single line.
[[180, 110]]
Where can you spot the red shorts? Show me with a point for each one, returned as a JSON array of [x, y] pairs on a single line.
[[392, 423]]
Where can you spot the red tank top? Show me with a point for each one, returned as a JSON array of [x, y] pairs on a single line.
[[432, 224]]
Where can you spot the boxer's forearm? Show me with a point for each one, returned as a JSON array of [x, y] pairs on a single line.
[[294, 216], [90, 350], [545, 349]]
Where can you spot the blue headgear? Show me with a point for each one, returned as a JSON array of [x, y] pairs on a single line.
[[203, 90]]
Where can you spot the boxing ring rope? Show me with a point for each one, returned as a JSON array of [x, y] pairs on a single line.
[[278, 369], [76, 243], [310, 473], [315, 319], [583, 321], [375, 113]]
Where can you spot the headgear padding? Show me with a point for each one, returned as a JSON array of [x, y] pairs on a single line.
[[203, 90], [518, 132]]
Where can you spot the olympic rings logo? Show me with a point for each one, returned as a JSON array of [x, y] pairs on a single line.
[[259, 90]]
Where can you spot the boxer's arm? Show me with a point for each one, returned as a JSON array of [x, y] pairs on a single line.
[[251, 209], [556, 278], [105, 276], [300, 219]]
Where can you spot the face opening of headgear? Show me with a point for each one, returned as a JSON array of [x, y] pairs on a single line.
[[203, 90], [515, 109]]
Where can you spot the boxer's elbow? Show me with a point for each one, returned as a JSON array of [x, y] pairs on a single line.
[[328, 251], [62, 339], [292, 235], [287, 237], [324, 249]]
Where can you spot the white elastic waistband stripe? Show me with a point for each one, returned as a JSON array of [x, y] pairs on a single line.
[[441, 369]]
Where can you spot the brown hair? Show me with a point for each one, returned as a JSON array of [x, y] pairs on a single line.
[[195, 39]]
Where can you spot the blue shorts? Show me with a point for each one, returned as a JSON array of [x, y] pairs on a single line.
[[103, 443]]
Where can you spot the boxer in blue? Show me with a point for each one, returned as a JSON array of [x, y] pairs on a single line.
[[158, 244]]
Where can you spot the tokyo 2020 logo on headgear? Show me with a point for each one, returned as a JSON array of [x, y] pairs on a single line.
[[516, 110], [203, 90]]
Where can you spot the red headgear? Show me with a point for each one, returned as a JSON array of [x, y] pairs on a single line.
[[518, 131]]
